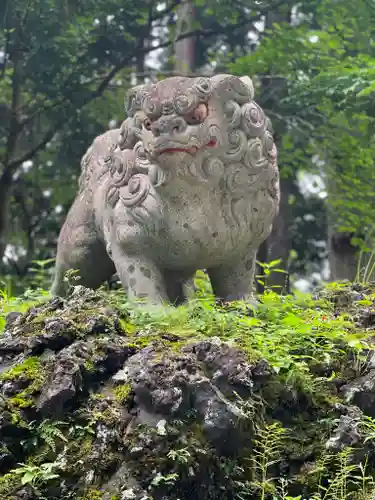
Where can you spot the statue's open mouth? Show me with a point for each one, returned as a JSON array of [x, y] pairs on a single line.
[[192, 150]]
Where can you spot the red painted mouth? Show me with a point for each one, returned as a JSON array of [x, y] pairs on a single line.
[[192, 150]]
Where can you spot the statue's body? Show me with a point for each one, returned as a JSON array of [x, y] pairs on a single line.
[[189, 182]]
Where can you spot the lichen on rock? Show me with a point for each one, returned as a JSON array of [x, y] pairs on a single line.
[[206, 401]]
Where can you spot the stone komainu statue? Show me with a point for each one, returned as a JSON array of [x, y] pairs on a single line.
[[190, 181]]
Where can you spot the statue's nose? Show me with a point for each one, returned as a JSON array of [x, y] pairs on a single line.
[[169, 125]]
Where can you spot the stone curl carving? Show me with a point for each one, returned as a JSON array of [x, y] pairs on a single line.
[[233, 114], [134, 99], [137, 191], [203, 88], [241, 90], [237, 141], [189, 181], [151, 106], [253, 119], [185, 103], [127, 134], [255, 158]]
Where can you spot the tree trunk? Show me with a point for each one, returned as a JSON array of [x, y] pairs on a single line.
[[342, 256], [5, 194], [6, 177], [278, 245], [185, 48]]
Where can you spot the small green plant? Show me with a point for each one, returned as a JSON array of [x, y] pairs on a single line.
[[167, 479], [181, 456], [37, 474], [28, 370], [71, 276], [122, 392], [49, 433], [32, 374], [21, 304], [366, 258], [40, 272], [82, 431], [92, 494], [340, 478], [268, 268], [290, 332], [267, 452], [282, 491]]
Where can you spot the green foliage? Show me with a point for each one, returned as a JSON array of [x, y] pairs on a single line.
[[266, 453], [181, 456], [10, 303], [309, 343], [349, 481], [36, 474], [323, 64], [289, 332], [366, 260], [268, 268], [58, 61], [30, 372], [336, 476], [92, 494], [49, 433], [122, 392], [160, 479]]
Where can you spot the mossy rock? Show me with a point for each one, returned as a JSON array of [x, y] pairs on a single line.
[[204, 401]]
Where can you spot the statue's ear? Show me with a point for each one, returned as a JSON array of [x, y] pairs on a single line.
[[134, 98], [249, 83], [239, 89]]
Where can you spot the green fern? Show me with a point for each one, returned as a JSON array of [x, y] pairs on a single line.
[[267, 452], [50, 433]]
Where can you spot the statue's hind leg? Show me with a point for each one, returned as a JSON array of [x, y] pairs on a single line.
[[92, 264], [234, 281], [80, 248]]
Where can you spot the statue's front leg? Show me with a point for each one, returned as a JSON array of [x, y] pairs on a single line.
[[141, 278], [235, 281]]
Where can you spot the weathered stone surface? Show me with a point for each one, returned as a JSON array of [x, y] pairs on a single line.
[[361, 392], [50, 326], [26, 493], [190, 181], [201, 380], [10, 318], [347, 432]]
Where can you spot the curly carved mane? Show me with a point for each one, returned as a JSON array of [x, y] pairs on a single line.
[[246, 160]]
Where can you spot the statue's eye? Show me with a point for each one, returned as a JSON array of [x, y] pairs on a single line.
[[199, 114], [147, 124]]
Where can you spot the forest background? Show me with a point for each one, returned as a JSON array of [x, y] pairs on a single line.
[[65, 66]]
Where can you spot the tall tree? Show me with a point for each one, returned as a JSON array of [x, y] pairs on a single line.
[[316, 56], [185, 48]]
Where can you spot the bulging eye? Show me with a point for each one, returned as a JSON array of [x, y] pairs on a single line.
[[147, 123], [199, 114]]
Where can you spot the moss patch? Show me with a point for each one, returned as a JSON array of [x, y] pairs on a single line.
[[30, 375], [91, 494], [122, 392]]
